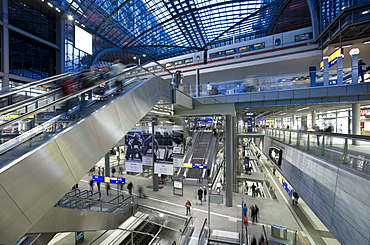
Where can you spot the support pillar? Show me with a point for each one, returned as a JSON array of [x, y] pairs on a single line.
[[356, 128], [354, 67], [197, 83], [230, 157], [340, 69], [292, 122], [326, 72], [313, 118], [106, 165], [154, 176], [5, 47]]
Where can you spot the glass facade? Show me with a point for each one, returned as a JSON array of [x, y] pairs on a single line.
[[34, 18], [29, 58]]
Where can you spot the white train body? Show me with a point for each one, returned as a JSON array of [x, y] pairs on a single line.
[[291, 42]]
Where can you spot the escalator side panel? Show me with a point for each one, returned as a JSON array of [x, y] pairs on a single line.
[[81, 146], [68, 220], [34, 184], [37, 180]]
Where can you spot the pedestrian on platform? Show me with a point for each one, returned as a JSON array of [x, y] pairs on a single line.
[[113, 171], [188, 206], [200, 195], [205, 193], [245, 210], [254, 241], [253, 187], [107, 188], [91, 185], [262, 241], [98, 184], [130, 186]]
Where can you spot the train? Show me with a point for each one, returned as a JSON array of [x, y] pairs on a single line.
[[260, 48]]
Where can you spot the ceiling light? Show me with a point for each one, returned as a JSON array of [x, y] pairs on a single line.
[[366, 42], [70, 17], [303, 109]]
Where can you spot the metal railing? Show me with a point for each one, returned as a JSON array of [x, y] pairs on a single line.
[[349, 151], [93, 205]]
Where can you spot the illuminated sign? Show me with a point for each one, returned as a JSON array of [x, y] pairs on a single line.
[[199, 165], [112, 180], [194, 165], [332, 59], [354, 51], [5, 117]]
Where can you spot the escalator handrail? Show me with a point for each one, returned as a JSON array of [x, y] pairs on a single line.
[[37, 83], [26, 102], [61, 100], [40, 128]]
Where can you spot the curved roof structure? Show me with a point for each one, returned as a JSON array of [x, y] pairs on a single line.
[[166, 28]]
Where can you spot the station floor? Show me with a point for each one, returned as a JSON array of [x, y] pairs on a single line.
[[225, 222]]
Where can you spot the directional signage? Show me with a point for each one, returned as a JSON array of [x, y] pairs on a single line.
[[199, 165], [112, 180], [194, 165]]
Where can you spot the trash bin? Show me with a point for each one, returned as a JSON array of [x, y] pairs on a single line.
[[279, 231]]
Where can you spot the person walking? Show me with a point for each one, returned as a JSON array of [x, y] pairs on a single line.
[[245, 210], [107, 187], [205, 193], [91, 185], [113, 171], [253, 187], [254, 213], [188, 206], [98, 185], [200, 195], [295, 198], [256, 210], [130, 186], [361, 70]]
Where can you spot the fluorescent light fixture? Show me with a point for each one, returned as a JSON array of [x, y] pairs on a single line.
[[366, 42], [303, 109]]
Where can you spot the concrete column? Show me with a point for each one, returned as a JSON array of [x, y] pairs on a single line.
[[340, 69], [292, 122], [229, 156], [197, 83], [5, 47], [356, 127], [354, 68], [60, 55], [326, 72], [106, 165], [154, 176], [313, 118]]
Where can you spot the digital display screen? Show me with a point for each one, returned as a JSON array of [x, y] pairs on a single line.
[[275, 155], [83, 40]]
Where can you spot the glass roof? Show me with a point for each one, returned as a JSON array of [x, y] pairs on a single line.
[[166, 28]]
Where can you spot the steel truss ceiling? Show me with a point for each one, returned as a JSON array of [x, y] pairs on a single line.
[[166, 28]]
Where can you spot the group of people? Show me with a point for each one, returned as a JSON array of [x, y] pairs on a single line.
[[255, 189], [202, 192]]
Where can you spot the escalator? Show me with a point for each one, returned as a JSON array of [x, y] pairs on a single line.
[[201, 154], [38, 170]]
